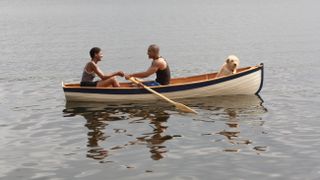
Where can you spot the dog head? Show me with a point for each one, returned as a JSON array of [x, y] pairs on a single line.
[[232, 62]]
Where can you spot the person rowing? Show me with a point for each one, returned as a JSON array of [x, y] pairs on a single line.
[[159, 66], [91, 69]]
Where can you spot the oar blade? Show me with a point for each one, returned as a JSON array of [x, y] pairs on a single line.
[[184, 108]]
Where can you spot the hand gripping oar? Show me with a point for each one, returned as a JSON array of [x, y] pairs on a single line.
[[178, 106]]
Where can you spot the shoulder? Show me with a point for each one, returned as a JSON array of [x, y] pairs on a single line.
[[160, 62], [161, 59], [91, 64]]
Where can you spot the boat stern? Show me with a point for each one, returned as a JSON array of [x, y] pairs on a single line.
[[262, 78]]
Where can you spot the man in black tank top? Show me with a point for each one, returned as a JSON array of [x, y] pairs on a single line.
[[159, 67]]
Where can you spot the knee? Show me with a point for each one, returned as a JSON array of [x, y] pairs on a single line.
[[113, 79]]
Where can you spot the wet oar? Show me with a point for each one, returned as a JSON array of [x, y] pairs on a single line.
[[178, 106]]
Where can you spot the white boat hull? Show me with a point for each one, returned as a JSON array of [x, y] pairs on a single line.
[[243, 85]]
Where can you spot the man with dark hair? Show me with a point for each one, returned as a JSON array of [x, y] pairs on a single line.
[[159, 67], [91, 70]]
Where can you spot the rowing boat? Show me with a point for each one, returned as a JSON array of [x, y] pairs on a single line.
[[247, 81]]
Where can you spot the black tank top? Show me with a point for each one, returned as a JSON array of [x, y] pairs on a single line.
[[164, 76]]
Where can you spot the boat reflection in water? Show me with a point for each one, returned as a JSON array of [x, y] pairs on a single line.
[[133, 121], [99, 116], [233, 111]]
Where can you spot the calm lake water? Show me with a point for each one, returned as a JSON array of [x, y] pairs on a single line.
[[275, 136]]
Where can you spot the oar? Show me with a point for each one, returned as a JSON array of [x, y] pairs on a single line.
[[178, 106]]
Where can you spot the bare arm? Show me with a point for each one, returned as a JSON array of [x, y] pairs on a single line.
[[151, 70], [145, 74], [103, 76]]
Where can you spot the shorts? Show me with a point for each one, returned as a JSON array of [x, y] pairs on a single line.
[[151, 83], [89, 84]]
